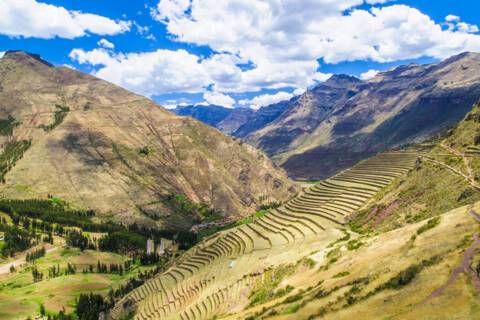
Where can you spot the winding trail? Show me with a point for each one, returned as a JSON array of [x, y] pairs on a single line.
[[456, 171], [464, 158], [464, 266]]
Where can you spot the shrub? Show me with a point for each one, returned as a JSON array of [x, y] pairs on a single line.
[[341, 274], [432, 223]]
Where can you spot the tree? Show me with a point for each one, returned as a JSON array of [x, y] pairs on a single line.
[[89, 306]]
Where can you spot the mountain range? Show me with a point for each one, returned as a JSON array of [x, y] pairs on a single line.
[[97, 146], [345, 119]]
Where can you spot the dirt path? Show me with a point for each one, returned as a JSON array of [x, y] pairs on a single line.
[[464, 266], [20, 260], [454, 170], [466, 162]]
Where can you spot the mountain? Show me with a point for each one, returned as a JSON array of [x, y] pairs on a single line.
[[97, 146], [238, 122], [209, 114], [394, 237], [344, 119]]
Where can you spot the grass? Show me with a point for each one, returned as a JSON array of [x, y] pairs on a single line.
[[20, 297]]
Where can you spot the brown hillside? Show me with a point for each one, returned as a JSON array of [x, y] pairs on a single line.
[[120, 153]]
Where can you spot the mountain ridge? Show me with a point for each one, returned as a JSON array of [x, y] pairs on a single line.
[[99, 146]]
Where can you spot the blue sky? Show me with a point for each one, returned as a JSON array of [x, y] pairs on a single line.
[[241, 53]]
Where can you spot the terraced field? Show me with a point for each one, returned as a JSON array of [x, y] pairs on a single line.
[[216, 276]]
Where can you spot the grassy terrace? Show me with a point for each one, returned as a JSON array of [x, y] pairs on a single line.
[[318, 210]]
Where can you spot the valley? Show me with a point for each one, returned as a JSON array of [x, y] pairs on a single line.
[[394, 235]]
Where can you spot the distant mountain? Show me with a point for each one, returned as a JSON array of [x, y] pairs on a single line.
[[98, 146], [238, 122], [344, 119], [209, 114]]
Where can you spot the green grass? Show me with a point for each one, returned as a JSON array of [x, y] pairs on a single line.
[[20, 297]]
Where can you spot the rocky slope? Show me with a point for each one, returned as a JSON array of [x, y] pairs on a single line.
[[98, 146], [345, 119]]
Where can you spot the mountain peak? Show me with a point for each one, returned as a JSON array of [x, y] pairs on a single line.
[[342, 79], [23, 56]]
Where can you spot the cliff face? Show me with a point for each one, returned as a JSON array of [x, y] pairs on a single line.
[[99, 146]]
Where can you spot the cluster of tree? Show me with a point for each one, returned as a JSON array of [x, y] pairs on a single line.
[[15, 240], [112, 268], [36, 254], [54, 212], [148, 259], [89, 306], [183, 206], [76, 239], [12, 152], [7, 125], [37, 275], [124, 241], [270, 205], [58, 116]]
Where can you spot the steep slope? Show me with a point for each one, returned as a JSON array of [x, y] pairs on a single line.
[[345, 120], [101, 147], [409, 250], [217, 275]]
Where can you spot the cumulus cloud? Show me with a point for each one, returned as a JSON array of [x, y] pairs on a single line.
[[280, 41], [266, 99], [106, 44], [149, 73], [451, 18], [219, 99], [370, 74], [29, 18]]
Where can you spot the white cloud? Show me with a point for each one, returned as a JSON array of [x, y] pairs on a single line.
[[299, 91], [378, 1], [106, 44], [95, 57], [150, 73], [280, 41], [2, 53], [451, 18], [219, 99], [266, 99], [466, 27], [29, 18], [370, 74]]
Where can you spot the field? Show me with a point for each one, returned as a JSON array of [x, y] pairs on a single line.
[[20, 297]]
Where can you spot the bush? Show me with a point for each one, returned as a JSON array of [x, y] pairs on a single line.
[[432, 223]]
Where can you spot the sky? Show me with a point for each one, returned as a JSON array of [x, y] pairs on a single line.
[[236, 53]]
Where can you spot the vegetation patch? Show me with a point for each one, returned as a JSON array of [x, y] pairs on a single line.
[[265, 290], [12, 152], [432, 223], [7, 125], [58, 116], [341, 274]]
